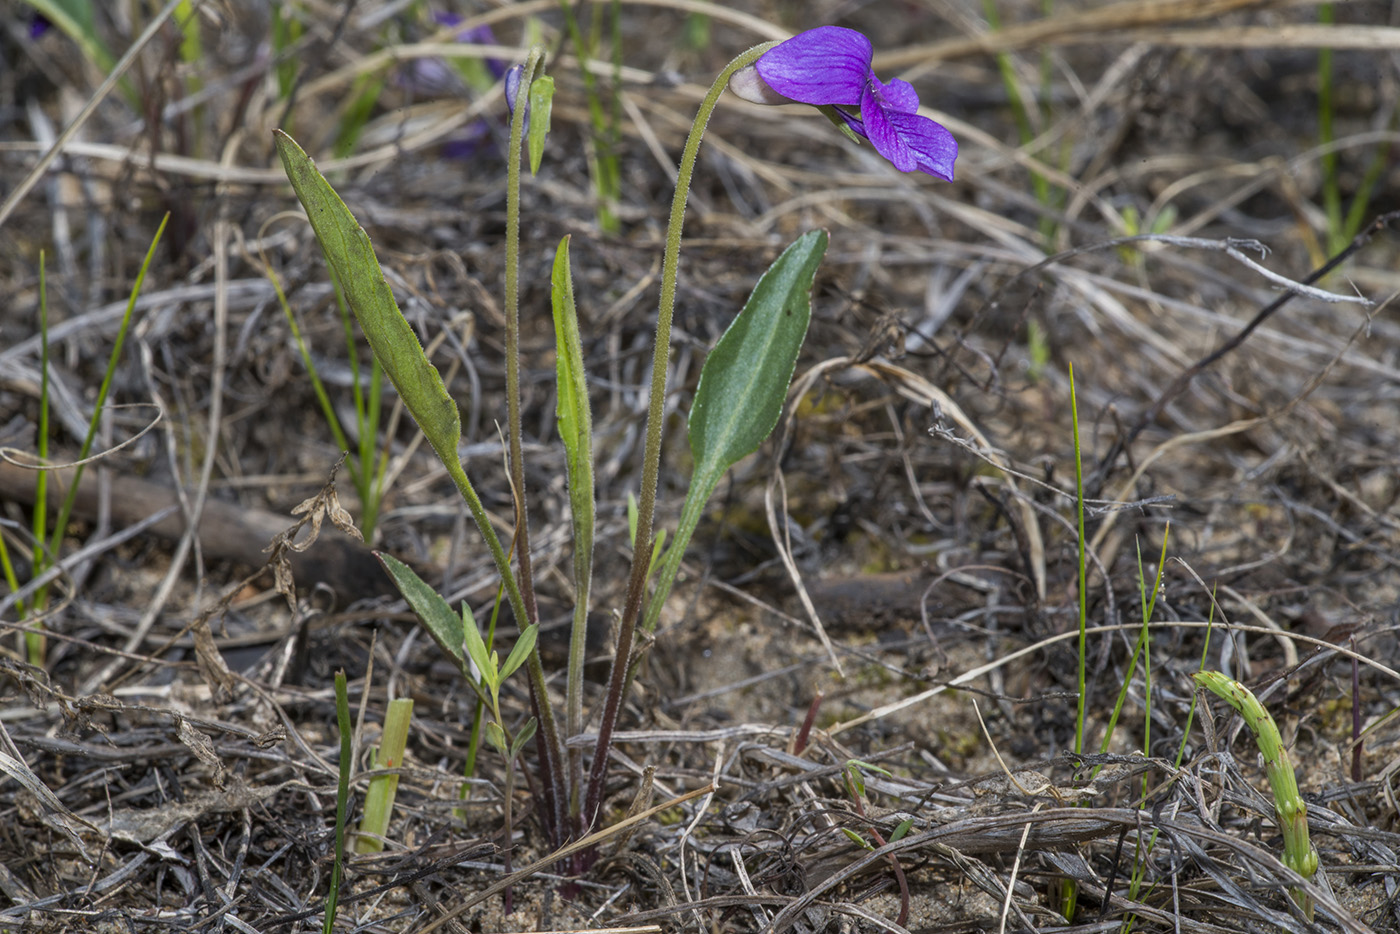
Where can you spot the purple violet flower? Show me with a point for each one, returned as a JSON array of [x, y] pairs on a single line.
[[830, 66], [477, 35]]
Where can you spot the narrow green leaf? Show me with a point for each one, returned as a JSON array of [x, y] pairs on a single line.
[[902, 829], [484, 659], [286, 30], [657, 550], [572, 410], [65, 510], [351, 256], [523, 737], [631, 519], [745, 378], [191, 48], [520, 652], [541, 106], [864, 767], [576, 429], [342, 796], [438, 617], [497, 737], [857, 839]]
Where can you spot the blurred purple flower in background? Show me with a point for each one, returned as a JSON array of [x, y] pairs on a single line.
[[436, 77], [477, 35], [830, 66]]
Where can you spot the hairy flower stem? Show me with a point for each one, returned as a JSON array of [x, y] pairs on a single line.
[[547, 739], [651, 458]]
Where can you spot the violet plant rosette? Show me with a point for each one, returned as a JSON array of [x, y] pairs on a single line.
[[830, 67]]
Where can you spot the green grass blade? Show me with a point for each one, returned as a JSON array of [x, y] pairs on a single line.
[[601, 156], [35, 646], [323, 398], [1069, 894], [1083, 563], [342, 796], [379, 798], [364, 97], [33, 643], [65, 511], [1140, 651], [286, 32], [368, 480]]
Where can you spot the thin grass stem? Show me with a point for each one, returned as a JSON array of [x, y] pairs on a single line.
[[342, 796], [65, 511]]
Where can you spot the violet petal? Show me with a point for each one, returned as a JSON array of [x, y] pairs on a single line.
[[897, 95], [826, 65], [883, 134], [934, 149]]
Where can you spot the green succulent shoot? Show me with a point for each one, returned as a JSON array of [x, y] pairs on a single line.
[[1291, 810]]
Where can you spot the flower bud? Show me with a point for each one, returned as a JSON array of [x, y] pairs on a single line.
[[747, 84]]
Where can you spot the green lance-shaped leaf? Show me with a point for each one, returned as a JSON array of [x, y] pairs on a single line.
[[575, 417], [1289, 806], [745, 378], [486, 661], [541, 106], [523, 646], [576, 429], [743, 385], [436, 614], [351, 257], [526, 733]]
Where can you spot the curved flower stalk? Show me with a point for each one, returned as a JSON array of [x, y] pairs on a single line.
[[830, 67]]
